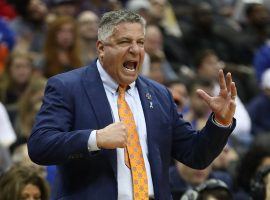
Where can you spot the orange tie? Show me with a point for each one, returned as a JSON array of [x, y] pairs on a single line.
[[133, 151]]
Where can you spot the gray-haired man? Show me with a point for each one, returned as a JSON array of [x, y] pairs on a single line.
[[79, 129]]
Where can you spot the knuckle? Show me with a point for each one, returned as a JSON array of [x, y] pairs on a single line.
[[122, 144]]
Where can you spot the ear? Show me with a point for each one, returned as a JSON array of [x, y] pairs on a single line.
[[100, 48]]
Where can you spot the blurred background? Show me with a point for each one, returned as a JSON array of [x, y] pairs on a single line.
[[186, 43]]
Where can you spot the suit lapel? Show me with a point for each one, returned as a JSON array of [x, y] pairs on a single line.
[[150, 108], [93, 86]]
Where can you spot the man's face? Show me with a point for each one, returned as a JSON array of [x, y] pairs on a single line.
[[153, 39], [88, 25], [37, 9], [260, 16], [191, 176], [210, 66], [65, 36], [20, 70], [199, 107], [122, 54]]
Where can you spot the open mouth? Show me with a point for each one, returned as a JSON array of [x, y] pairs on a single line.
[[130, 65]]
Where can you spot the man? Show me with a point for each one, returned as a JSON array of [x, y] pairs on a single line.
[[78, 125], [259, 107]]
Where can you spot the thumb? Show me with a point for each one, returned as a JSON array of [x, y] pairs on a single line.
[[202, 94]]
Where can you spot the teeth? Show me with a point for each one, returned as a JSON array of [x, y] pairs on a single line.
[[130, 66], [131, 70]]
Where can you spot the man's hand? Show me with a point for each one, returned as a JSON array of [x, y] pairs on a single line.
[[222, 105], [112, 136]]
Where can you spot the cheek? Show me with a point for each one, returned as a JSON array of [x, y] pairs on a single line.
[[15, 73], [142, 54], [114, 58], [25, 73]]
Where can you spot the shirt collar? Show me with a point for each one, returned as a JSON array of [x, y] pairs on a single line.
[[108, 81]]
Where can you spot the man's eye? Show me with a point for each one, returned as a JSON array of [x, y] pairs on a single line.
[[141, 43], [124, 42]]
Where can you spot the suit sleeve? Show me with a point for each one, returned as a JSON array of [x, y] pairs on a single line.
[[52, 141]]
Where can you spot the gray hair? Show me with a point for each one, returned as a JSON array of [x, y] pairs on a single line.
[[113, 18]]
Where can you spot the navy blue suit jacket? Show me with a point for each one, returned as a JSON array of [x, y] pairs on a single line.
[[75, 103]]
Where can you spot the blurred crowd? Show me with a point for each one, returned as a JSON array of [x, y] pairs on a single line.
[[186, 42]]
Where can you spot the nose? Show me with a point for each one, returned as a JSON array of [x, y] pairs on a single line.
[[134, 48]]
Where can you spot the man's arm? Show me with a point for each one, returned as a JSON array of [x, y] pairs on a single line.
[[52, 141]]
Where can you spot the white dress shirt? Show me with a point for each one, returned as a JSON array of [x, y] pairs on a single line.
[[132, 97]]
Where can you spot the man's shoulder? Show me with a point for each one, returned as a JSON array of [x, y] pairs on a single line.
[[72, 76]]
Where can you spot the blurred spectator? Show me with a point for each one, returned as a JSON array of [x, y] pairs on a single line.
[[100, 6], [154, 46], [19, 156], [29, 25], [61, 51], [7, 134], [156, 72], [142, 7], [3, 56], [29, 105], [179, 92], [212, 189], [7, 41], [258, 23], [183, 178], [260, 184], [199, 111], [7, 36], [115, 5], [256, 157], [200, 34], [223, 161], [17, 76], [5, 160], [7, 11], [261, 60], [19, 153], [226, 162], [230, 30], [87, 28], [161, 14], [64, 7], [208, 65], [22, 182], [256, 30], [259, 108]]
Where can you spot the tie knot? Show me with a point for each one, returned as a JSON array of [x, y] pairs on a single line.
[[122, 89]]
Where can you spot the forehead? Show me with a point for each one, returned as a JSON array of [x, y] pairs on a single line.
[[127, 29], [87, 16]]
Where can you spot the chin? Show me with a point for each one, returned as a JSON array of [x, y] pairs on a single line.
[[128, 81]]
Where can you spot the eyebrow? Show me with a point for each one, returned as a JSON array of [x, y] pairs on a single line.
[[127, 38]]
